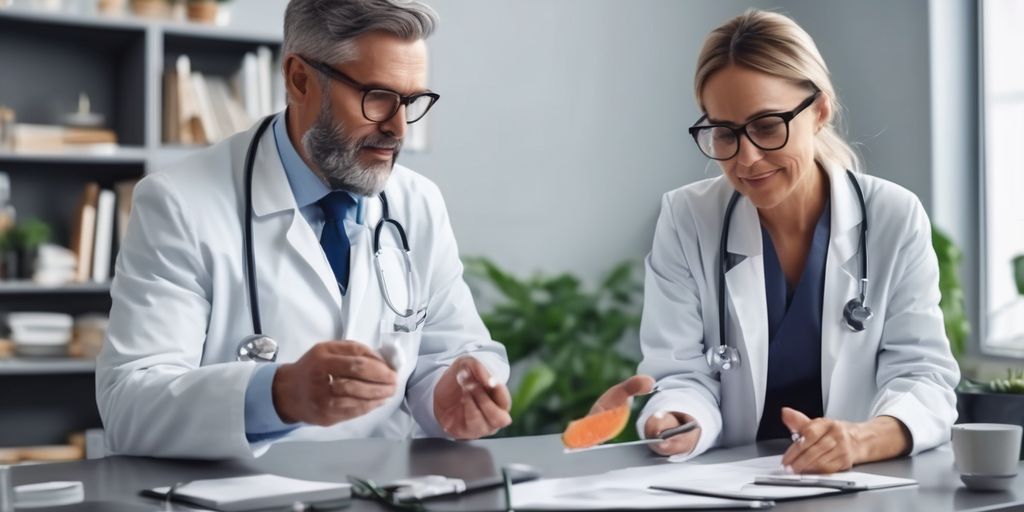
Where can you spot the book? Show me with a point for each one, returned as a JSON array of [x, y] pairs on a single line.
[[255, 492], [41, 137], [209, 131], [103, 247], [84, 231], [265, 61], [247, 85], [172, 108], [188, 117]]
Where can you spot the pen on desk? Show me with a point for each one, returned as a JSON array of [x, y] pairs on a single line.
[[804, 481]]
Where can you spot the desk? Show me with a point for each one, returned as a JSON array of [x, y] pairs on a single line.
[[120, 478]]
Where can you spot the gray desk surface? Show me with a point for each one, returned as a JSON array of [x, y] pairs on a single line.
[[120, 478]]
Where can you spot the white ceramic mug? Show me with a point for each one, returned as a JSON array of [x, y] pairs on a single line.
[[987, 454]]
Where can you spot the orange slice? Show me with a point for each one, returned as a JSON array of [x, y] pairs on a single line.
[[596, 428]]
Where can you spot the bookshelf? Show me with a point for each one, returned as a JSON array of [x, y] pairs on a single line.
[[119, 62]]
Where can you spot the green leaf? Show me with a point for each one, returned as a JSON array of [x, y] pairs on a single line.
[[1018, 273], [571, 328], [536, 382], [951, 301]]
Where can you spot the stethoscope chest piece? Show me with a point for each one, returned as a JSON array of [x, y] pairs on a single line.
[[856, 315], [259, 348], [722, 358]]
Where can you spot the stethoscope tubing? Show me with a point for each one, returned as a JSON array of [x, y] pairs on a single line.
[[250, 253], [723, 347]]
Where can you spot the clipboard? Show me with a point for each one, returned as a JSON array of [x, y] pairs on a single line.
[[255, 492]]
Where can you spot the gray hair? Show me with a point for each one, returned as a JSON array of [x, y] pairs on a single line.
[[326, 30]]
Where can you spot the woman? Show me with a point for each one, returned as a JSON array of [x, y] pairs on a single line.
[[812, 363]]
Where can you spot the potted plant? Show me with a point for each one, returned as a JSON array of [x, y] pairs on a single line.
[[999, 400], [110, 7], [21, 246], [567, 344], [951, 303], [1018, 273], [9, 268], [204, 11], [158, 9]]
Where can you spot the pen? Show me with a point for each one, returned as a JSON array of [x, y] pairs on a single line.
[[681, 429], [804, 481]]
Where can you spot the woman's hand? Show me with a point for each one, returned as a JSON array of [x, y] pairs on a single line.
[[830, 446], [679, 443], [623, 393]]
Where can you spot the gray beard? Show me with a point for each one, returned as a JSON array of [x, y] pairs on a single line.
[[336, 155]]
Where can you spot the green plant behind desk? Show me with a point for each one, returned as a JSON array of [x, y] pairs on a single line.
[[1018, 273], [954, 314], [565, 338]]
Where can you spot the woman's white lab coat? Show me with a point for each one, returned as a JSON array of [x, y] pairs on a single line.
[[900, 366]]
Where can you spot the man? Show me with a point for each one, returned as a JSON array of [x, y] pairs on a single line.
[[176, 375]]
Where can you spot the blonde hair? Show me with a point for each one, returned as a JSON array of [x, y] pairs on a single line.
[[774, 44]]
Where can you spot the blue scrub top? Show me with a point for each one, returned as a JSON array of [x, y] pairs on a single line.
[[794, 330]]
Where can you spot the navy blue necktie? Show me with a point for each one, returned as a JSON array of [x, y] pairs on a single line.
[[334, 240]]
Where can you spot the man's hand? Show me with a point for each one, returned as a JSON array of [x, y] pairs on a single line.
[[829, 446], [468, 404], [334, 381]]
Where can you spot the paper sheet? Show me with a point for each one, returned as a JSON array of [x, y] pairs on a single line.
[[630, 488]]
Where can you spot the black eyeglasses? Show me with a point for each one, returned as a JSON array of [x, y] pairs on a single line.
[[378, 104], [768, 132], [367, 489]]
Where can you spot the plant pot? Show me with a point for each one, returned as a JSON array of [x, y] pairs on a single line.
[[985, 407], [27, 262], [11, 269], [150, 8], [202, 11], [110, 7]]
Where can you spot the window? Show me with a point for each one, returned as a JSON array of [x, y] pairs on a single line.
[[1002, 188]]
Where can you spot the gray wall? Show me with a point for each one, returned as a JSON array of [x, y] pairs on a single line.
[[877, 51], [562, 123]]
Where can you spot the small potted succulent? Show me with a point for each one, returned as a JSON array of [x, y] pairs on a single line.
[[20, 247], [204, 11]]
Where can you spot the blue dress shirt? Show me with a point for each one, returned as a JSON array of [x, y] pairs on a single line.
[[794, 330], [261, 419]]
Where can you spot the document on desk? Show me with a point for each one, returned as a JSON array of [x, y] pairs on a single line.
[[725, 485], [595, 493], [254, 492], [760, 479]]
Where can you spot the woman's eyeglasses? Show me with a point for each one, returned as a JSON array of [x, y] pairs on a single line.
[[768, 132]]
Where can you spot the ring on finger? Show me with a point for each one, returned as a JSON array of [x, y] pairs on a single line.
[[330, 379]]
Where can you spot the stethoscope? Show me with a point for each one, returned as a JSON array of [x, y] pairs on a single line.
[[259, 347], [855, 313]]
